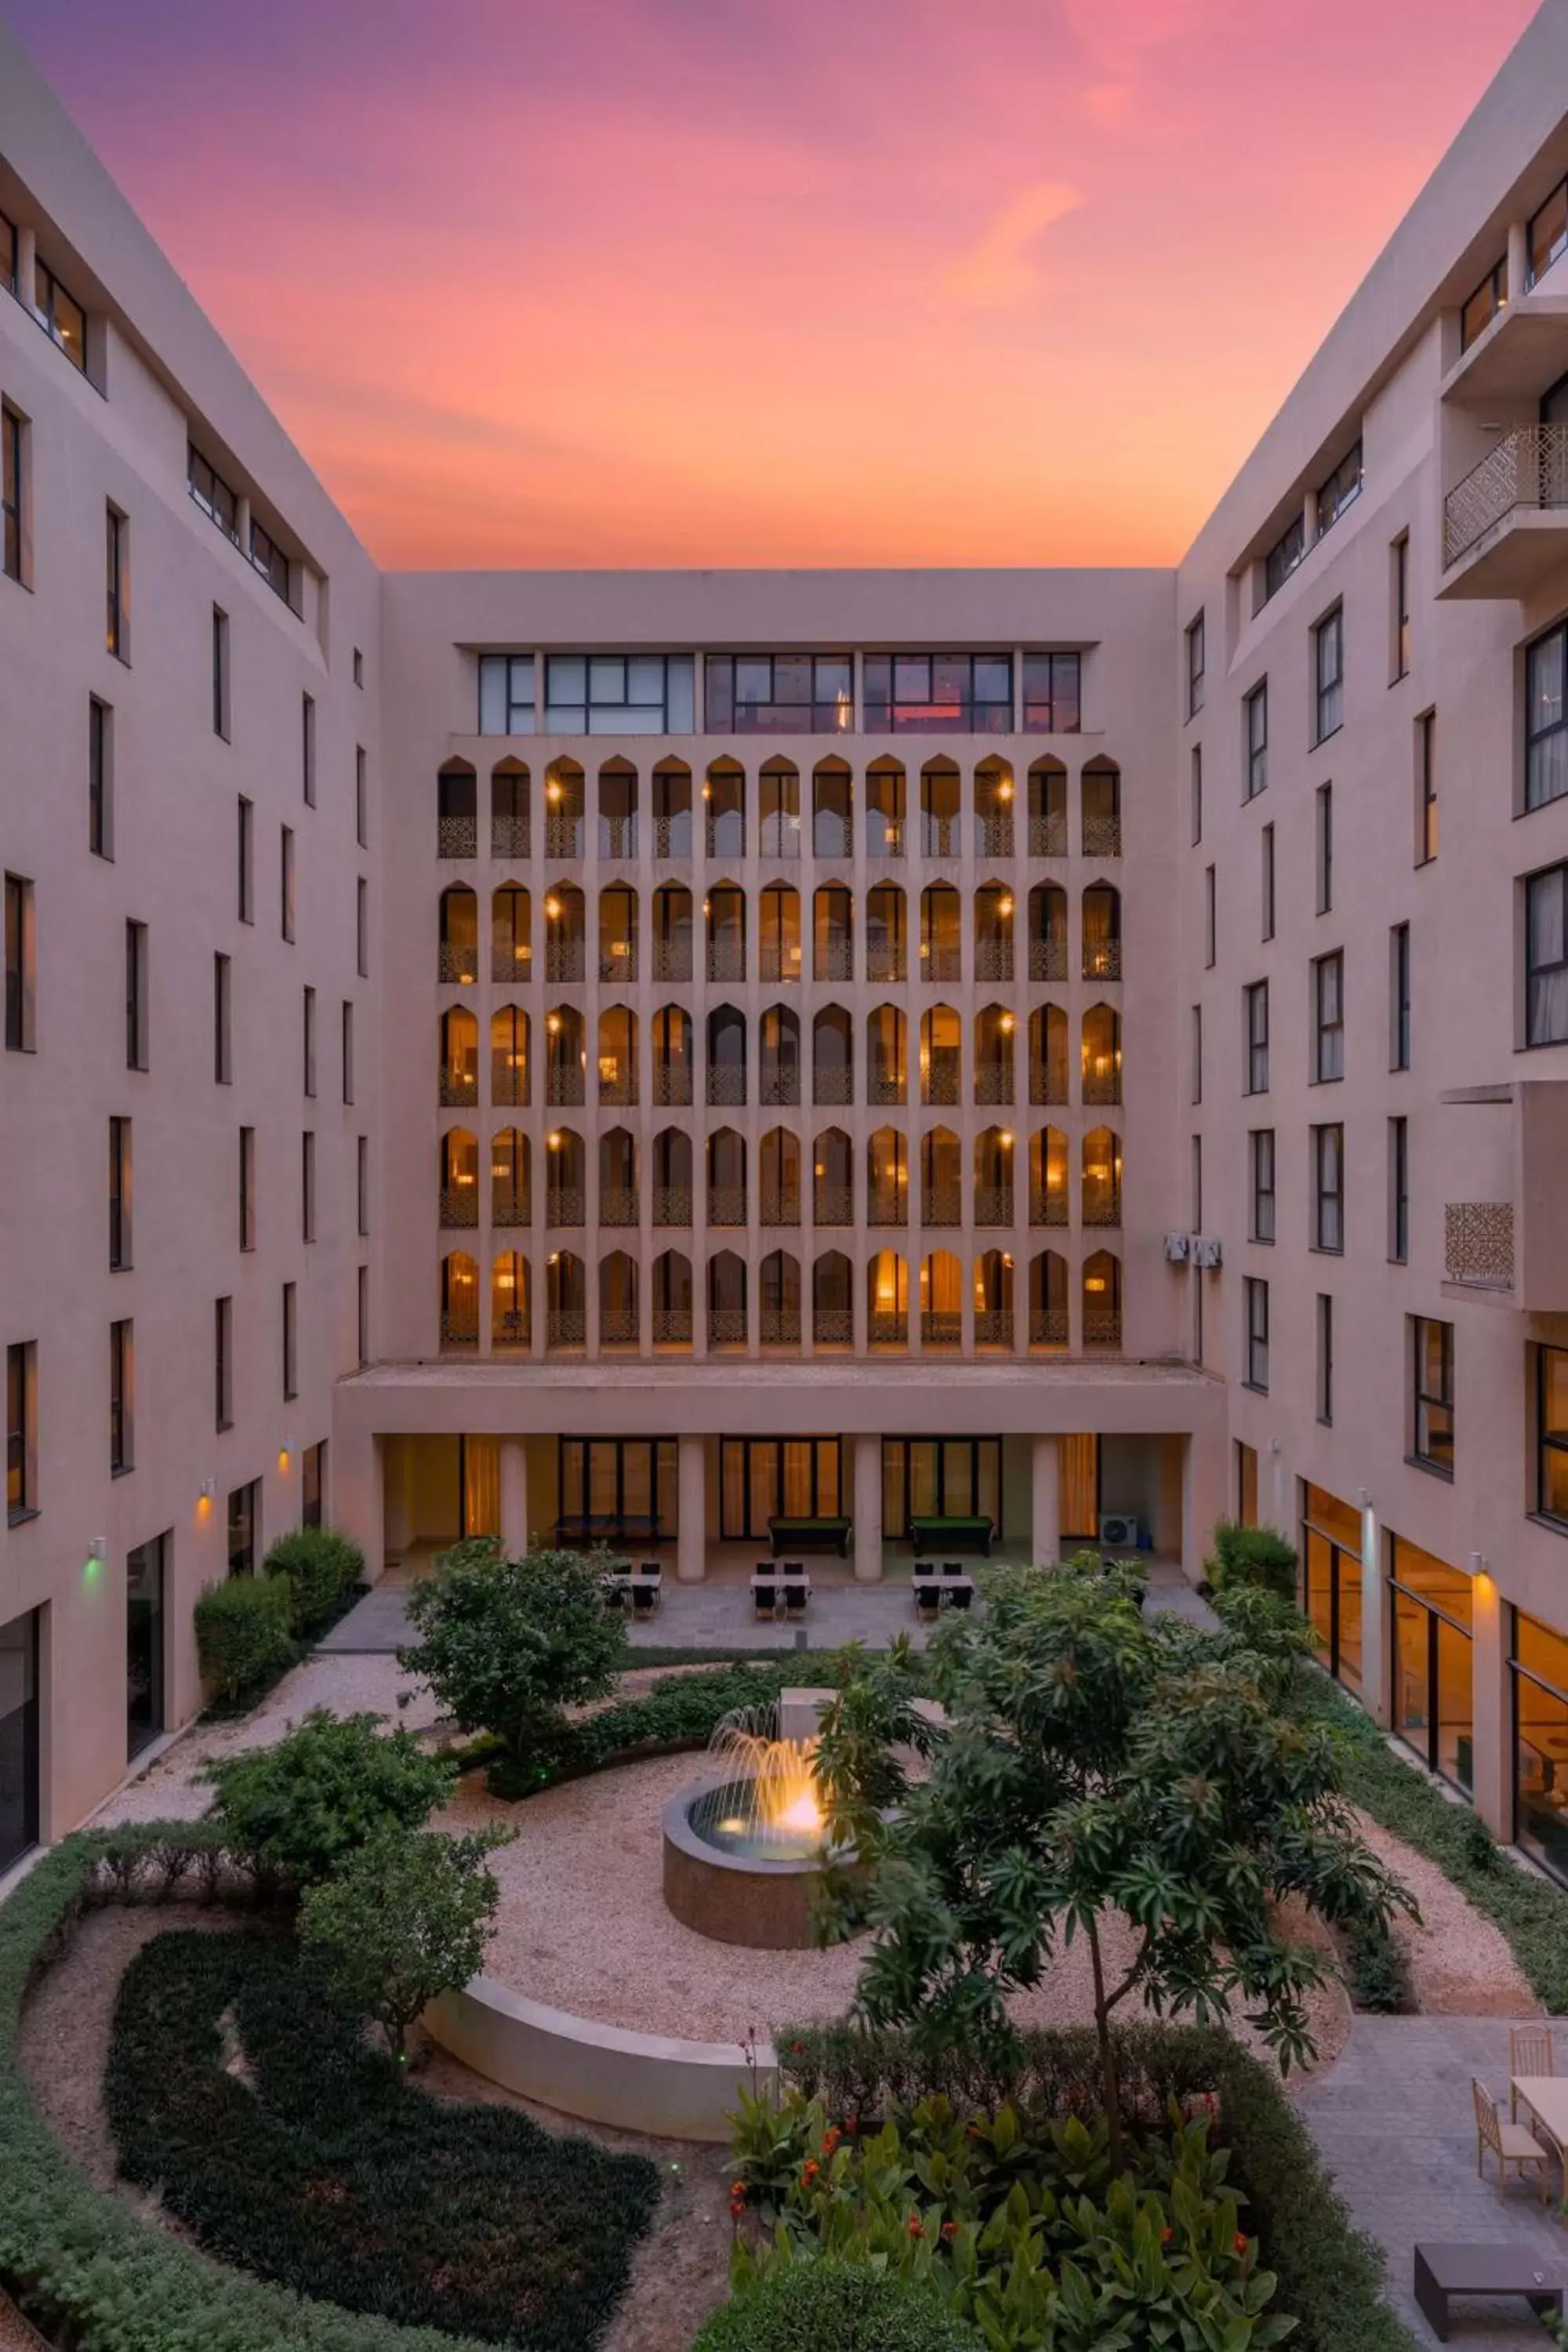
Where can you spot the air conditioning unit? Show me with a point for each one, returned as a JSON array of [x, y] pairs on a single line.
[[1206, 1252], [1119, 1529], [1176, 1249]]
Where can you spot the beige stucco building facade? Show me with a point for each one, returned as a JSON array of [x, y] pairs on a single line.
[[657, 1054]]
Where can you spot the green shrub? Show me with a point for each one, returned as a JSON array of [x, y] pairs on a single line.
[[1252, 1556], [1378, 1972], [90, 2272], [328, 2173], [836, 2308], [295, 1812], [242, 1635], [1329, 2273], [677, 1711], [404, 1918], [506, 1644], [323, 1567]]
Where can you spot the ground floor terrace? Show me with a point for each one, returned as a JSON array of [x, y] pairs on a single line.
[[863, 1474]]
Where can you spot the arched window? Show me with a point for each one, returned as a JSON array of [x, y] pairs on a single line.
[[886, 1178], [833, 1301], [459, 1178], [941, 931], [833, 1056], [942, 1301], [941, 1056], [1101, 933], [672, 811], [564, 926], [1101, 1177], [564, 797], [833, 933], [941, 790], [1047, 1054], [887, 1300], [457, 811], [510, 1186], [618, 933], [994, 1301], [778, 793], [779, 941], [780, 1283], [1048, 1301], [1048, 810], [509, 1087], [672, 1056], [511, 1325], [1047, 931], [459, 1303], [726, 1301], [617, 810], [566, 1178], [510, 796], [993, 1177], [832, 1178], [993, 932], [781, 1055], [832, 810], [1101, 788], [887, 933], [725, 909], [724, 801], [458, 958], [993, 1026], [1101, 1055], [672, 1299], [726, 1177], [780, 1177], [566, 1291], [994, 809], [620, 1322], [886, 1075], [672, 931], [726, 1055], [672, 1177], [618, 1178], [1102, 1300], [512, 936], [618, 1055], [1048, 1177], [886, 811], [566, 1056], [459, 1056], [942, 1178]]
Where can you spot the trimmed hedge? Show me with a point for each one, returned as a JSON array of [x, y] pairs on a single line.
[[331, 2173], [836, 2308], [1532, 1912], [1330, 2273], [243, 1636], [678, 1711], [322, 1566], [90, 2272]]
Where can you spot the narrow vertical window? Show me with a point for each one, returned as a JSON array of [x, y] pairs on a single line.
[[1265, 840], [308, 1186], [119, 1181], [359, 667], [247, 1188], [1325, 828], [223, 1020], [1329, 1188], [1197, 1184], [136, 1009], [348, 1053], [1432, 1400], [220, 681], [116, 547], [1546, 957], [1195, 667], [223, 1362], [1254, 1002], [362, 1318], [1256, 1303], [21, 1431], [1399, 997], [1328, 1018], [307, 748], [20, 958], [1197, 790], [1399, 1191], [362, 799], [1261, 1146], [361, 1186], [121, 1381], [13, 496], [1209, 945], [309, 1041], [100, 778], [290, 1380], [1325, 1358], [1399, 580], [1256, 709], [286, 881], [1328, 675], [1427, 788], [246, 861], [361, 928], [1197, 1053], [1546, 718]]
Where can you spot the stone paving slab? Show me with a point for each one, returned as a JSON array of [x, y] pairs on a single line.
[[1395, 2121]]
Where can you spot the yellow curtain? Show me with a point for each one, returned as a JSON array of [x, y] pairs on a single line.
[[1080, 1487], [482, 1486]]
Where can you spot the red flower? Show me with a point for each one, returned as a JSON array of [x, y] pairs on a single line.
[[917, 2227], [830, 2140], [851, 2124], [949, 2231], [737, 2207], [1240, 2242], [736, 2189], [797, 2049], [1166, 2234], [809, 2169]]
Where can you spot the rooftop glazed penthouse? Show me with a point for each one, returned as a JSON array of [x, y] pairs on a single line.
[[1035, 1055]]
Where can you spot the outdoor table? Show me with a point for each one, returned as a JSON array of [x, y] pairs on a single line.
[[1546, 2096], [1442, 2270], [946, 1591], [770, 1586]]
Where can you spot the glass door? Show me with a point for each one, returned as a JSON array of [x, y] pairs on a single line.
[[18, 1737], [144, 1579]]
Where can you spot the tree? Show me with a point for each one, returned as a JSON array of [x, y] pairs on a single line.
[[406, 1917], [1094, 1761], [298, 1809], [507, 1643]]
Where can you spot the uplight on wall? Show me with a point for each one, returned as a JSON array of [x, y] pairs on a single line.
[[97, 1553]]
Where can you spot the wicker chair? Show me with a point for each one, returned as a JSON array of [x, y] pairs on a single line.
[[1514, 2147]]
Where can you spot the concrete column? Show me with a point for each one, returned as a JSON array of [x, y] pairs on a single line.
[[514, 1497], [26, 264], [1373, 1616], [1046, 1538], [242, 521], [396, 1504], [1518, 260], [1203, 1498], [1493, 1789], [691, 1554], [358, 1499], [868, 1509], [1308, 516]]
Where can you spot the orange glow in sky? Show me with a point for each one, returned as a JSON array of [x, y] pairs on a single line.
[[567, 282]]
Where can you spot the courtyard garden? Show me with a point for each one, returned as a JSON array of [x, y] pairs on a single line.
[[1083, 1928]]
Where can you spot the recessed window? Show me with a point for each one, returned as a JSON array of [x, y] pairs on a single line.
[[797, 694], [1488, 300], [20, 964], [1546, 237], [362, 804], [1329, 1188], [245, 1528], [60, 315], [1284, 556], [223, 1020], [308, 1186], [348, 1053], [1195, 657], [1197, 793], [310, 1040], [247, 1188], [137, 1007], [116, 583], [1551, 1434], [122, 1398], [1325, 1382], [1545, 718], [1432, 1365], [1209, 918], [358, 667], [10, 247], [1399, 580], [361, 1318], [207, 486], [290, 1362], [1399, 1191], [1342, 489], [269, 559], [361, 928], [120, 1196], [1546, 958], [1260, 1155], [1197, 1054], [1328, 1018], [1053, 694], [220, 672], [1399, 997], [14, 451], [614, 694], [1266, 845], [361, 1186], [1328, 675], [1255, 1306], [246, 874], [1325, 849], [100, 778], [21, 1431], [1256, 709], [1254, 1008], [223, 1362], [286, 880], [1425, 787], [307, 748], [938, 693]]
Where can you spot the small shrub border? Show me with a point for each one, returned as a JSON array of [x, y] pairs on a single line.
[[678, 1712], [222, 1710], [89, 2274], [847, 2307], [1531, 1911], [1330, 2273]]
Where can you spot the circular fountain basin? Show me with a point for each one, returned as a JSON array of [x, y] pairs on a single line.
[[734, 1879]]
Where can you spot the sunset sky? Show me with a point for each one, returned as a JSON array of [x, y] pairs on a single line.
[[752, 281]]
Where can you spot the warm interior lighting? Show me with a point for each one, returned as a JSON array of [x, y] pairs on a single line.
[[552, 907], [1094, 1281]]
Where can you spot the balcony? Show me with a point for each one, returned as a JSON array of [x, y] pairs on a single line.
[[563, 837], [618, 1326], [1505, 1147], [941, 1330], [621, 1089], [672, 1085], [567, 1327], [726, 1086], [888, 1205], [1102, 836], [564, 960], [994, 1327], [672, 958], [832, 1326], [994, 1204], [1102, 958], [509, 836], [618, 963], [458, 964], [672, 1206], [456, 837], [509, 1206], [993, 835], [459, 1089], [781, 1327], [563, 1204], [938, 1079], [1048, 1208], [726, 1327], [1102, 1327], [833, 1086], [888, 1328], [1048, 838], [993, 1082], [726, 1205], [617, 1204], [1047, 1087], [459, 1205], [672, 1327], [835, 959], [1478, 1245], [781, 1205], [509, 1088], [512, 965], [781, 1085], [1101, 1087], [993, 959], [511, 1332], [835, 1205], [459, 1332], [726, 960], [938, 963], [566, 1087], [942, 1204], [618, 837], [1048, 1328], [886, 1087], [1505, 527], [884, 960], [1047, 959]]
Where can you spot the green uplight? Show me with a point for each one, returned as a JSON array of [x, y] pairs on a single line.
[[93, 1567]]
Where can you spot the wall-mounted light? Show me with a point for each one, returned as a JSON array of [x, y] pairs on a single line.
[[97, 1553], [207, 1490]]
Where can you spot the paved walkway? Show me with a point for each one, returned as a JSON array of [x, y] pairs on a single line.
[[1395, 2121], [719, 1614]]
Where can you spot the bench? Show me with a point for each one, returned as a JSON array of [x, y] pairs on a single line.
[[810, 1535], [609, 1527], [1496, 2269], [960, 1532]]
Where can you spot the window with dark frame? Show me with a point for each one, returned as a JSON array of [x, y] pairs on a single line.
[[1328, 675], [312, 1484], [1551, 1434], [1256, 707], [10, 248], [1546, 234], [361, 1186], [1399, 1191], [1197, 790], [1283, 557], [1260, 1152], [1488, 300], [1325, 1382], [268, 558], [1197, 1054], [1195, 641], [121, 1453], [245, 865], [136, 1006], [115, 532], [1399, 556], [1210, 943], [1328, 1018], [361, 928], [1255, 999], [286, 881], [1399, 997], [1325, 833], [1256, 1301], [1053, 694], [243, 1528], [307, 748], [60, 315], [761, 694], [1431, 1418], [310, 1040], [100, 778], [291, 1368], [19, 957], [220, 672], [247, 1188], [362, 808], [209, 492], [1546, 957], [361, 1316], [1266, 842], [307, 1185], [223, 1020], [223, 1362], [614, 694], [348, 1069], [13, 488], [21, 1431], [1341, 490], [120, 1180], [1329, 1188], [1546, 718], [1425, 788], [969, 693]]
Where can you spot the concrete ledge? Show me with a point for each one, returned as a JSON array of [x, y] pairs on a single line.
[[637, 2082]]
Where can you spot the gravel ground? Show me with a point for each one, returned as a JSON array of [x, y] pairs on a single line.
[[1460, 1961], [15, 2336]]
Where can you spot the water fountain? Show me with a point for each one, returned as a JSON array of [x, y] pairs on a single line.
[[743, 1849]]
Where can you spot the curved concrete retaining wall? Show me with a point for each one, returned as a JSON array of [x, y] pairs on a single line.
[[637, 2081]]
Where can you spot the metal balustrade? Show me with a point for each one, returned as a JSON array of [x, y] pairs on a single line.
[[456, 837], [459, 1205], [1526, 468], [1047, 959]]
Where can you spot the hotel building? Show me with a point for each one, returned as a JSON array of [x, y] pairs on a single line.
[[659, 1052]]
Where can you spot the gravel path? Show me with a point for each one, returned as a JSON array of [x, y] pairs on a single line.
[[1460, 1961]]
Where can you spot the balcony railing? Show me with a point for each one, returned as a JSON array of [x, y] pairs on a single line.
[[1527, 468], [510, 963], [618, 1326], [778, 835], [994, 1327], [938, 1079], [831, 835], [618, 963], [622, 1089], [1048, 1327], [781, 1327], [567, 1327], [1101, 1208], [509, 836], [835, 959], [834, 1204], [511, 1333], [884, 960], [459, 1331], [562, 836], [781, 1085], [672, 1084], [672, 838], [942, 1204], [994, 1204], [776, 961], [509, 1088], [938, 962], [1048, 1208], [726, 960], [726, 1205], [1048, 836], [672, 1327], [1102, 1086], [890, 841], [993, 1082], [833, 1086], [1102, 958], [564, 1087], [672, 1204], [940, 836], [459, 1089], [726, 1086], [888, 1328], [1477, 1244], [456, 837], [888, 1204], [458, 964], [993, 835], [564, 960], [941, 1328], [672, 958], [1102, 1327], [780, 1204], [618, 837], [1102, 836], [993, 959], [509, 1206], [832, 1326], [887, 1086], [563, 1204], [1046, 1086], [459, 1205], [1047, 959], [726, 1327], [617, 1204]]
